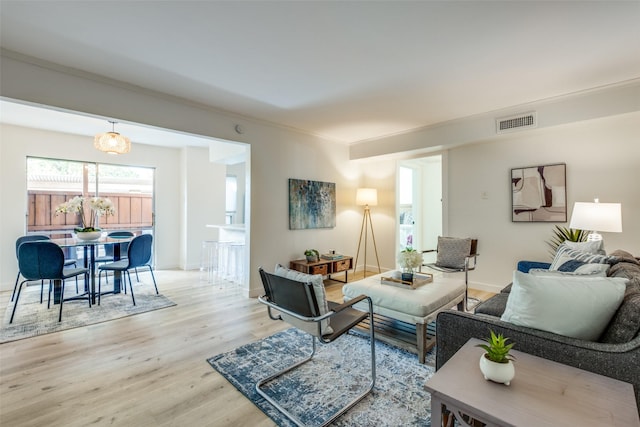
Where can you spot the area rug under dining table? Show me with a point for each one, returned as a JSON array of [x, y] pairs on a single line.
[[33, 319], [337, 371]]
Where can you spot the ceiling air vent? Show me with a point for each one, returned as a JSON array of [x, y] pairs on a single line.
[[517, 122]]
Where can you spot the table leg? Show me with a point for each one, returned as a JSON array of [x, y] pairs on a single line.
[[92, 272], [436, 411], [117, 275]]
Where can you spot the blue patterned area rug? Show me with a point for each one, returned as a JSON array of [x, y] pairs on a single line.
[[335, 375]]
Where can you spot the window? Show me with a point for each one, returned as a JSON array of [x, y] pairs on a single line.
[[53, 181], [406, 221]]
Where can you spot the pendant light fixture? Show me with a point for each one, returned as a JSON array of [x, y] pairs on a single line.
[[112, 142]]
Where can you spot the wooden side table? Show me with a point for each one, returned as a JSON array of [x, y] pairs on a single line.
[[543, 393], [326, 267]]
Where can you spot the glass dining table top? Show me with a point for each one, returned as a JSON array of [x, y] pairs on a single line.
[[72, 241]]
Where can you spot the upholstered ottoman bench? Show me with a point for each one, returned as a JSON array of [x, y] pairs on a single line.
[[417, 307]]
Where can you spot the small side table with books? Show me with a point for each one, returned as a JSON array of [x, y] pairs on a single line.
[[335, 264]]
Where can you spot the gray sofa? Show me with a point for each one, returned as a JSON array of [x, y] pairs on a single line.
[[615, 359]]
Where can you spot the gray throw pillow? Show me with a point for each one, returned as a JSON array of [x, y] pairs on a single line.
[[625, 324], [452, 252]]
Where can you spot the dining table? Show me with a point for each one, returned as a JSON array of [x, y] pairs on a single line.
[[90, 249]]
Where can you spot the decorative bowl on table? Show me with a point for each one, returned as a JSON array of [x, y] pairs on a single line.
[[88, 235]]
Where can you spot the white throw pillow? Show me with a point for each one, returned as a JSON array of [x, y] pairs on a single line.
[[591, 270], [579, 307], [592, 247], [568, 259], [321, 298]]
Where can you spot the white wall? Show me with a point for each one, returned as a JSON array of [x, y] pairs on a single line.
[[602, 158], [203, 203]]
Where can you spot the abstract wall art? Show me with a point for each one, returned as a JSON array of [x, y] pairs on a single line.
[[539, 194], [312, 204]]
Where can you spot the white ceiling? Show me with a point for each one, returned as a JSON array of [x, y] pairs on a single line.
[[345, 70]]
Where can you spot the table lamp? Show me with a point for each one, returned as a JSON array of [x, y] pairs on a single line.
[[596, 216]]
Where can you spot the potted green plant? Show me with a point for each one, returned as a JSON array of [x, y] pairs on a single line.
[[312, 255], [560, 234], [496, 364]]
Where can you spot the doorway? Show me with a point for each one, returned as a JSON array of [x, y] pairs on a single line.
[[419, 202]]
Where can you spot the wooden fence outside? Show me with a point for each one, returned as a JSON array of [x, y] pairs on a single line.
[[133, 211]]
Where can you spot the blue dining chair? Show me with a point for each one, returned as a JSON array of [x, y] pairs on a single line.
[[138, 255], [44, 260], [108, 249], [34, 238]]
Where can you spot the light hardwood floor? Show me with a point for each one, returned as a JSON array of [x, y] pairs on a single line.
[[145, 370]]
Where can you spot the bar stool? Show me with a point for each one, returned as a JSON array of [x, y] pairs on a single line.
[[236, 262], [209, 259]]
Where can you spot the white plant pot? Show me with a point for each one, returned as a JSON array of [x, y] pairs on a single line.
[[497, 372], [88, 235]]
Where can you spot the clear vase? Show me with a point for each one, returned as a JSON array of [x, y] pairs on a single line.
[[407, 274]]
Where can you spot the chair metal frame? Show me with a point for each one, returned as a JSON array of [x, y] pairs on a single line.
[[470, 262], [306, 310]]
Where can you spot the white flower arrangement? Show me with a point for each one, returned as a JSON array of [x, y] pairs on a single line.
[[409, 258], [98, 206]]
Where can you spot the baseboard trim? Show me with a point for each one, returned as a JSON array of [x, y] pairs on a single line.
[[486, 287]]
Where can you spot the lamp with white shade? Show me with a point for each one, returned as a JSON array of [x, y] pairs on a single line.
[[366, 197], [595, 217]]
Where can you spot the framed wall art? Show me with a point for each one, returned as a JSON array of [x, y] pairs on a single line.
[[312, 204], [539, 193]]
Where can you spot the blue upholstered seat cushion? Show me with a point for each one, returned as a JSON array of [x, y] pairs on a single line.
[[574, 306]]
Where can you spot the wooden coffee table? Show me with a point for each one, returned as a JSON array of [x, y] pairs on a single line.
[[543, 393]]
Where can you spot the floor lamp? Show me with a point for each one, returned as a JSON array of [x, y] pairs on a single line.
[[366, 197]]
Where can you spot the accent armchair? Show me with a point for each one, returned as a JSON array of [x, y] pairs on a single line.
[[297, 304]]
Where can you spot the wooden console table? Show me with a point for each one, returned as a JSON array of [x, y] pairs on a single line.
[[326, 267], [543, 393]]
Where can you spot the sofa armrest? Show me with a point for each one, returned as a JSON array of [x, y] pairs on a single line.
[[619, 361]]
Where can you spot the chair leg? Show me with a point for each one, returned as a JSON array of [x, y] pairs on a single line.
[[61, 301], [41, 289], [137, 278], [49, 295], [260, 383], [13, 312], [154, 280], [133, 298], [15, 286]]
